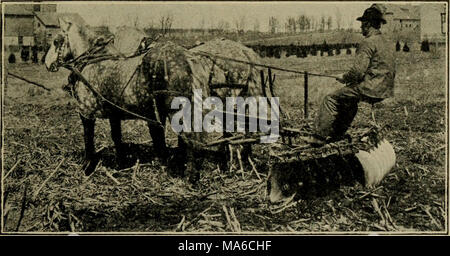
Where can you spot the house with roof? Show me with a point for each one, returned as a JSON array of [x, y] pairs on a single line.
[[19, 20], [402, 17], [417, 22], [434, 24], [46, 25], [27, 25]]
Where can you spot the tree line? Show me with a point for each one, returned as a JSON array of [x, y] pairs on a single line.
[[305, 23], [241, 24]]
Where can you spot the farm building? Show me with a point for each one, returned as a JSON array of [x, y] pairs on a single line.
[[19, 20], [46, 25], [27, 25], [402, 17], [433, 22], [426, 21]]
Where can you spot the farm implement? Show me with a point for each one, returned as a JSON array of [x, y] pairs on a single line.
[[295, 167]]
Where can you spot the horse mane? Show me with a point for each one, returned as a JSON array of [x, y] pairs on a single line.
[[127, 39], [87, 35]]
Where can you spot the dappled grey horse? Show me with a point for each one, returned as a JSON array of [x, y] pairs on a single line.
[[131, 83], [123, 82]]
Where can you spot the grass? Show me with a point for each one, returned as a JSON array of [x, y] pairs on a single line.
[[42, 132]]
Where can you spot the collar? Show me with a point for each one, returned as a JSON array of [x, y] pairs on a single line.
[[373, 31]]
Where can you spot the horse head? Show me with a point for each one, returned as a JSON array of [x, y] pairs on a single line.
[[73, 40]]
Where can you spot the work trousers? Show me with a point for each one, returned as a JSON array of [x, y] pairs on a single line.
[[337, 112]]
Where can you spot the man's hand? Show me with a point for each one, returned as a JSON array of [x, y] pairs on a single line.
[[340, 78]]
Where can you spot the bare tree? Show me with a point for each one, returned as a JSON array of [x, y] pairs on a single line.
[[136, 22], [302, 22], [313, 23], [256, 25], [166, 22], [133, 19], [104, 21], [273, 25], [202, 25], [212, 26], [350, 25], [240, 24], [322, 23], [291, 25], [227, 26], [338, 18], [329, 23], [220, 25], [150, 24], [307, 23]]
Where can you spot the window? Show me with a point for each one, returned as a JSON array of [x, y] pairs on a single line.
[[37, 8], [443, 23], [20, 40]]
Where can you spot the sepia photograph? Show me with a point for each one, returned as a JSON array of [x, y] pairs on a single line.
[[224, 118]]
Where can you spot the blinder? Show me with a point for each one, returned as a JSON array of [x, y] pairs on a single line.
[[61, 43]]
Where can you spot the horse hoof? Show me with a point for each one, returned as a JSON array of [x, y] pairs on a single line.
[[176, 165], [164, 157], [124, 161], [194, 178], [89, 166], [176, 169]]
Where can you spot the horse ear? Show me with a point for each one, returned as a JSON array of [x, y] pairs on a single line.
[[64, 25]]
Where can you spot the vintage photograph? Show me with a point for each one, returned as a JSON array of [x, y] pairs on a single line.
[[224, 117]]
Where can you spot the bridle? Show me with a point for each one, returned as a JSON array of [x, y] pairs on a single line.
[[61, 43]]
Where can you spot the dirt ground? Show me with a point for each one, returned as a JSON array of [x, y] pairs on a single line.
[[46, 191]]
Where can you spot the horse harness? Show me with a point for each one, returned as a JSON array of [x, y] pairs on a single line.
[[96, 54]]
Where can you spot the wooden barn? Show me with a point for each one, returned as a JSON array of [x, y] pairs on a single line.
[[28, 25], [46, 25], [433, 22], [19, 20], [402, 17]]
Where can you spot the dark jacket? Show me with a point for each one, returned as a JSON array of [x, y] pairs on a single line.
[[373, 70]]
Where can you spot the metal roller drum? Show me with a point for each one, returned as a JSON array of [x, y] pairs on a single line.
[[377, 162], [308, 174]]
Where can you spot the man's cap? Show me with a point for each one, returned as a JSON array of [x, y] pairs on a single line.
[[374, 12]]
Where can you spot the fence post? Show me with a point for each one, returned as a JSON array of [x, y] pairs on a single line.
[[269, 73], [306, 95]]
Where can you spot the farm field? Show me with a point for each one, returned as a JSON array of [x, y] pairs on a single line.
[[45, 189]]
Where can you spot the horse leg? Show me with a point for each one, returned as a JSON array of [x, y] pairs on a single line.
[[159, 141], [246, 152], [116, 135], [225, 160], [90, 159], [193, 166], [190, 164], [158, 133]]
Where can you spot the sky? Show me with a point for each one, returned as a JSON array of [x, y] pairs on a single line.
[[193, 14]]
